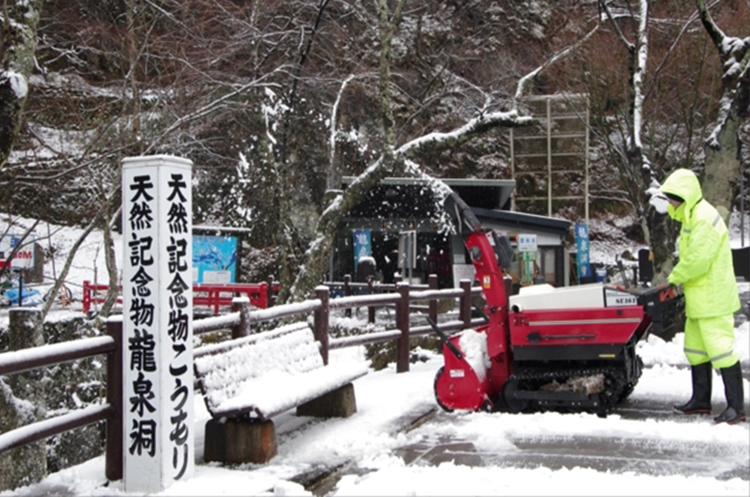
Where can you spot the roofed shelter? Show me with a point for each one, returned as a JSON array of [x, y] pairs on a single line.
[[396, 227]]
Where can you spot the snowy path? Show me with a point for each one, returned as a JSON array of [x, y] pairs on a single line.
[[641, 449]]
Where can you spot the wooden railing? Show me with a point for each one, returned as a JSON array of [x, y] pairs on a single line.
[[34, 358], [242, 317], [239, 320]]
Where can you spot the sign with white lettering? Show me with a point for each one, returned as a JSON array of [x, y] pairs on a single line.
[[157, 322]]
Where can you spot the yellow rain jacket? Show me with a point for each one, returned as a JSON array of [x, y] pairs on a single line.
[[705, 268]]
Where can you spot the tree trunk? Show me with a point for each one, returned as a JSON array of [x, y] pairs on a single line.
[[722, 171], [21, 20], [109, 257], [722, 148]]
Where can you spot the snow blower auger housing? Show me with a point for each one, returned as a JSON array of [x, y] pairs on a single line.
[[571, 349]]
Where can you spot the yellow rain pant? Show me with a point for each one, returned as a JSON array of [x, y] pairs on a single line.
[[711, 339]]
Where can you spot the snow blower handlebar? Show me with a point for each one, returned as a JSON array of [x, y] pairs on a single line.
[[444, 338], [467, 223], [461, 214]]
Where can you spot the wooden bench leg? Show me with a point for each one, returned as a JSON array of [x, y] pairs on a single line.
[[339, 403], [240, 441]]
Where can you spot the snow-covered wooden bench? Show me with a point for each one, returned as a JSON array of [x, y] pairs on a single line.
[[247, 381]]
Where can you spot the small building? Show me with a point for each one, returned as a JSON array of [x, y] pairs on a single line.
[[397, 226]]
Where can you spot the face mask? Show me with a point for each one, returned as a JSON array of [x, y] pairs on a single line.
[[677, 214]]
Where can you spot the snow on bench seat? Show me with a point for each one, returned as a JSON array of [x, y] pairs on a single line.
[[268, 373]]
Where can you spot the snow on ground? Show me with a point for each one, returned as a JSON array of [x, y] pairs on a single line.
[[387, 400]]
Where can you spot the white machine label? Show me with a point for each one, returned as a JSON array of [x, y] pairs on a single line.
[[457, 373], [613, 298]]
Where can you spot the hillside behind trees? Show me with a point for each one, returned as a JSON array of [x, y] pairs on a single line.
[[249, 91]]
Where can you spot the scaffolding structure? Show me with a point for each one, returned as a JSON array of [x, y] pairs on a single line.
[[550, 159]]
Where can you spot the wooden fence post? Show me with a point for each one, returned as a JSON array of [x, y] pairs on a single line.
[[321, 321], [370, 291], [114, 447], [433, 305], [347, 293], [271, 294], [241, 305], [86, 297], [465, 309], [402, 323]]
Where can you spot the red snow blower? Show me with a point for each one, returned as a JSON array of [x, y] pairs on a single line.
[[571, 349]]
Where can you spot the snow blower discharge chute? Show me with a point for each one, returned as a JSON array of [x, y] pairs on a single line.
[[570, 349]]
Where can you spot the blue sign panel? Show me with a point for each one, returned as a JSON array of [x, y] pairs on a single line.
[[582, 250], [214, 259], [362, 245]]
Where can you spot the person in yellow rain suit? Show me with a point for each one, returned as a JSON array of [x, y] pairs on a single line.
[[706, 273]]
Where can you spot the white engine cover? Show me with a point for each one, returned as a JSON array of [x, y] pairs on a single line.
[[545, 296]]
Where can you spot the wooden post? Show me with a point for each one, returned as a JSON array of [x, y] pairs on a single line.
[[114, 447], [465, 312], [402, 323], [321, 321], [271, 296], [433, 305], [347, 292], [370, 291], [86, 297], [241, 305]]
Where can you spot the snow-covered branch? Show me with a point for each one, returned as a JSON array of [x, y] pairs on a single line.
[[714, 32], [525, 82], [630, 46], [210, 107], [672, 47], [735, 58], [332, 139], [474, 127]]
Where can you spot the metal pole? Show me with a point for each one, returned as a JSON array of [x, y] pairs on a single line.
[[512, 172], [586, 164], [402, 323], [549, 159], [742, 205]]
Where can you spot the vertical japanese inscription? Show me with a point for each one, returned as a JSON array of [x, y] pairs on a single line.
[[140, 316], [180, 299]]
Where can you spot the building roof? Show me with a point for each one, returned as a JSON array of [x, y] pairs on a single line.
[[395, 196], [525, 221]]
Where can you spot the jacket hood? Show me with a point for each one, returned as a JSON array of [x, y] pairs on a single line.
[[683, 183]]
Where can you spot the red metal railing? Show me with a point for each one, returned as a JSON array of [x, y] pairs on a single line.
[[213, 295]]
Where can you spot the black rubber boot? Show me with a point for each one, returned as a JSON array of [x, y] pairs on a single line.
[[700, 402], [735, 411]]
